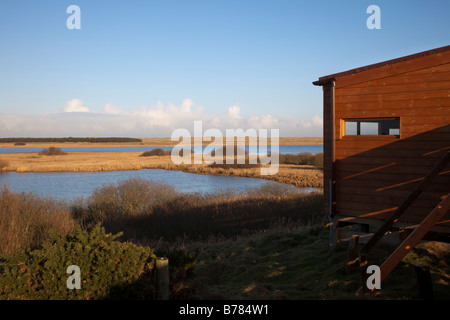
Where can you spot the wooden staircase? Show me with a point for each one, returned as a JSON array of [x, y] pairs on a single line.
[[416, 235]]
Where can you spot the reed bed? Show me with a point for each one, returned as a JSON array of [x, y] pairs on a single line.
[[146, 211], [3, 164], [26, 219], [299, 176]]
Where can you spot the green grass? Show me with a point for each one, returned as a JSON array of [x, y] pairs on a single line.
[[299, 265]]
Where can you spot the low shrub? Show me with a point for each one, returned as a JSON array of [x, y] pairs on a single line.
[[109, 269], [155, 152], [302, 159], [318, 160], [130, 197], [19, 143], [52, 151]]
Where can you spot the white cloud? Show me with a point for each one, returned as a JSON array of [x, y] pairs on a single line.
[[75, 105], [159, 120], [112, 109], [186, 105], [263, 122], [234, 112], [317, 121]]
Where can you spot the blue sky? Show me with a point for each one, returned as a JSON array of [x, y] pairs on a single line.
[[144, 68]]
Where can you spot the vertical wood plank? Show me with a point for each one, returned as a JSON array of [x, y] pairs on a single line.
[[352, 258]]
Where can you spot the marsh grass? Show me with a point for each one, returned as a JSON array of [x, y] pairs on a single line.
[[299, 176], [26, 219], [146, 210], [3, 164]]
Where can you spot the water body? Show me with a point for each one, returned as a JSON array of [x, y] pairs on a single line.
[[284, 149], [72, 185]]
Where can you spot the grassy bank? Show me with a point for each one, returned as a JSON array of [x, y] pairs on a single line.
[[299, 265]]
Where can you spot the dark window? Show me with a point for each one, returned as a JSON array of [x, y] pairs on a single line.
[[377, 127]]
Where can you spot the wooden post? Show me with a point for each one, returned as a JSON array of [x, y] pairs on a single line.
[[162, 278], [363, 264], [352, 258], [424, 282]]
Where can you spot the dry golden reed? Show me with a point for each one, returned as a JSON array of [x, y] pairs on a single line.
[[25, 220]]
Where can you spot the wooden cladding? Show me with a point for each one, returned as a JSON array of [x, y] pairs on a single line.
[[373, 173]]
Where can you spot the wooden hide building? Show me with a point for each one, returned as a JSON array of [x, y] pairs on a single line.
[[386, 149]]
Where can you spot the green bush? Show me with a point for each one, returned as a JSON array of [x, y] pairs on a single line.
[[109, 269]]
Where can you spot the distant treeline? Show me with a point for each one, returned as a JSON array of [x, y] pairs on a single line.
[[69, 139]]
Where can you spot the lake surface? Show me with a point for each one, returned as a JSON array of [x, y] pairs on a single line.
[[284, 149], [72, 185]]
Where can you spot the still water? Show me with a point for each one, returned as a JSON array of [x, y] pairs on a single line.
[[72, 185], [285, 149]]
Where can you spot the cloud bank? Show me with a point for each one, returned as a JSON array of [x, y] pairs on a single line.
[[160, 120]]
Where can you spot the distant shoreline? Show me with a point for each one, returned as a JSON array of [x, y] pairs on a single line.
[[151, 142]]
